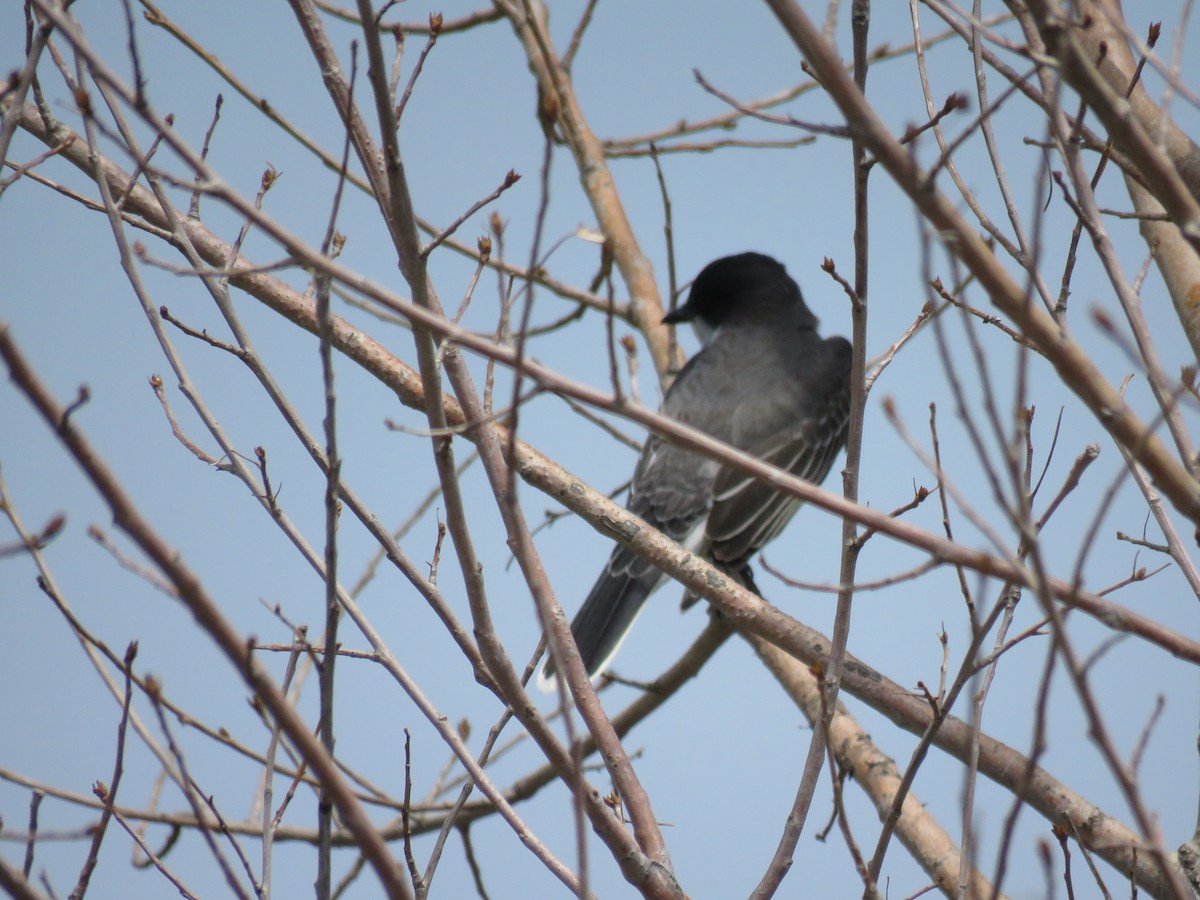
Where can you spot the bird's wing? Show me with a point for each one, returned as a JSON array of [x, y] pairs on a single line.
[[803, 440]]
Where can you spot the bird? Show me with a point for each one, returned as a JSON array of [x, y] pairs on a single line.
[[764, 381]]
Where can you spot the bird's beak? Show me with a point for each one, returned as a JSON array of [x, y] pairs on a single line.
[[679, 315]]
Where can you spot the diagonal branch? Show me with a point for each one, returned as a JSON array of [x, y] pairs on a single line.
[[651, 872], [560, 107], [1074, 367], [194, 595]]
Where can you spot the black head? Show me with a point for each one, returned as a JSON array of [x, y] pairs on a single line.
[[744, 285]]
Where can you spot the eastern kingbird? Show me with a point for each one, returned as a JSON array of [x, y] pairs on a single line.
[[766, 383]]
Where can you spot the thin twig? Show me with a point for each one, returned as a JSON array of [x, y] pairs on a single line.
[[435, 27], [108, 793]]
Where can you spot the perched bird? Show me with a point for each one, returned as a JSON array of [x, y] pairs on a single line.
[[766, 383]]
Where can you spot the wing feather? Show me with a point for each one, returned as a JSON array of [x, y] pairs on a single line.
[[748, 512]]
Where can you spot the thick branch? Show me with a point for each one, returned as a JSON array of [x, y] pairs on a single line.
[[876, 774], [559, 106], [207, 613], [1073, 365], [1175, 257]]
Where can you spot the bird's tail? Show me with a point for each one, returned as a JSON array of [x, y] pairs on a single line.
[[609, 612]]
